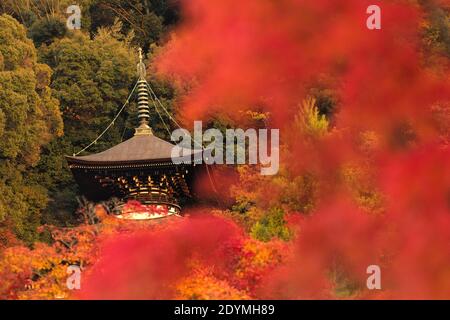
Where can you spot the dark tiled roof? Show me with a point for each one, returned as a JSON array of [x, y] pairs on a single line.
[[140, 148]]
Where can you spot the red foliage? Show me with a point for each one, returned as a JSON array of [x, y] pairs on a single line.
[[410, 241], [339, 238], [418, 186], [263, 54], [146, 265]]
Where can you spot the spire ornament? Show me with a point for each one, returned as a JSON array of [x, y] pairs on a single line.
[[143, 99], [141, 66]]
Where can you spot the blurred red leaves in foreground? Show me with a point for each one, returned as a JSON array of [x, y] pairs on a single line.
[[264, 56], [209, 257], [144, 265]]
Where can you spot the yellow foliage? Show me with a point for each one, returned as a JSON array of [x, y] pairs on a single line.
[[202, 285], [309, 121], [358, 180]]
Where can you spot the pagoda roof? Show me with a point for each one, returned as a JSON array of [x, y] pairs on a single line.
[[144, 148]]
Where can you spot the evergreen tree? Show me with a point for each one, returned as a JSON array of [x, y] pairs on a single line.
[[29, 119], [44, 31], [92, 80]]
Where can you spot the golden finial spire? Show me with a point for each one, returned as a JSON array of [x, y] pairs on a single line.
[[143, 99]]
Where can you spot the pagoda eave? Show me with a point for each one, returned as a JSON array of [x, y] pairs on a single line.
[[75, 163]]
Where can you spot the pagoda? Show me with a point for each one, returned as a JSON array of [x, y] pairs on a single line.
[[139, 170]]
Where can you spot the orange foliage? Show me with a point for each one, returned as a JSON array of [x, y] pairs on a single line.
[[201, 284]]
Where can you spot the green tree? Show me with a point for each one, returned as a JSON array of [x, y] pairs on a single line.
[[272, 225], [29, 119], [92, 80], [46, 30]]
